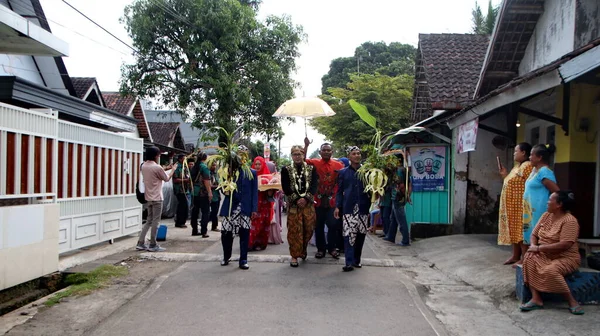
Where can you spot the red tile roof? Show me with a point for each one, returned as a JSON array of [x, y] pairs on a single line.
[[116, 102], [82, 85], [452, 64], [163, 133]]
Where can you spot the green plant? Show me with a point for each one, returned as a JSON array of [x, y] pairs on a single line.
[[85, 283], [373, 172], [230, 159]]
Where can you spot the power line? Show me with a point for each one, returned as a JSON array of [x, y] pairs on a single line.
[[94, 22]]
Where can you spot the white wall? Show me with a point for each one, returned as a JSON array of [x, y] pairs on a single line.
[[28, 242], [21, 66], [553, 37]]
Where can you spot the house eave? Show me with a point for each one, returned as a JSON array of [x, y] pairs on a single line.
[[18, 89], [23, 37]]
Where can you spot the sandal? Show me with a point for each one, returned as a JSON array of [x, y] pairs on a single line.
[[510, 261], [577, 310], [334, 254], [529, 306], [294, 263], [319, 255]]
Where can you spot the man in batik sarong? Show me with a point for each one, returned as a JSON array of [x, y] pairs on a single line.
[[299, 183], [352, 205], [237, 212]]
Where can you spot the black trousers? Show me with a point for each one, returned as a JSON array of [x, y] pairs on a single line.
[[325, 217], [182, 210], [201, 205], [353, 254], [227, 242], [214, 214]]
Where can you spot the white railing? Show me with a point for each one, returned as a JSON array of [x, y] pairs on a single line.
[[91, 173]]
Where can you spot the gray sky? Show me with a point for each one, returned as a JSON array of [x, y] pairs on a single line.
[[334, 28]]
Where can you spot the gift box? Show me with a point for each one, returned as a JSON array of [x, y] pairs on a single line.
[[269, 182]]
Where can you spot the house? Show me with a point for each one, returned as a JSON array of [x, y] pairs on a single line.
[[191, 135], [167, 136], [131, 107], [65, 158], [540, 83], [446, 75]]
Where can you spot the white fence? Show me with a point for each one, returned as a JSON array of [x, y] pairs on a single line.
[[87, 171]]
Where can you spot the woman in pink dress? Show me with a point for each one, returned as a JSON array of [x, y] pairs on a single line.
[[261, 225]]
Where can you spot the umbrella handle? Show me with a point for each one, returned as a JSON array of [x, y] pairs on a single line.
[[305, 128]]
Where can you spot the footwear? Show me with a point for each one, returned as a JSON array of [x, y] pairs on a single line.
[[244, 266], [215, 230], [381, 235], [205, 236], [304, 256], [319, 255], [347, 268], [387, 240], [577, 310], [334, 254], [510, 261], [294, 263], [141, 247], [224, 262], [181, 226], [359, 265], [403, 244], [196, 234], [529, 306], [156, 248]]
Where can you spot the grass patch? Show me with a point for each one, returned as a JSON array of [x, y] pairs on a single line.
[[85, 283]]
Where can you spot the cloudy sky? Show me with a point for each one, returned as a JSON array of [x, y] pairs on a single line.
[[334, 28]]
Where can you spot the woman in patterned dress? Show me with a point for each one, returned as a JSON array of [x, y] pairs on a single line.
[[553, 253], [538, 187], [259, 233], [510, 222]]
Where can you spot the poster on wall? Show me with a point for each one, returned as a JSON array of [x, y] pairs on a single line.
[[428, 168], [467, 136]]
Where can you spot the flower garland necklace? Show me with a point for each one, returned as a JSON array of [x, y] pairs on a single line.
[[297, 178]]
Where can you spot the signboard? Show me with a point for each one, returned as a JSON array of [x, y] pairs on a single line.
[[428, 171], [267, 151], [467, 136]]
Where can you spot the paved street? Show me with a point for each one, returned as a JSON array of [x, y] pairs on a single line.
[[204, 298]]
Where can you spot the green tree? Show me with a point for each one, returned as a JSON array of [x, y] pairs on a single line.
[[484, 24], [213, 58], [314, 154], [392, 60], [389, 99]]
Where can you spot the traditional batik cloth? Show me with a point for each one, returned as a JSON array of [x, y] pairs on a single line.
[[510, 221], [546, 271], [300, 225], [535, 200], [355, 223], [236, 221]]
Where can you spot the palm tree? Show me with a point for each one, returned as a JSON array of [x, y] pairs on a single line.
[[484, 24]]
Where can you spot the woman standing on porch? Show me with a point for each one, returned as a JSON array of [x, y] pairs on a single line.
[[510, 221], [538, 187]]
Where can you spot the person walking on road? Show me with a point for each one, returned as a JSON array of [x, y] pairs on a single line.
[[153, 175], [352, 205], [299, 183], [202, 196], [181, 189], [259, 233], [243, 203], [327, 170], [216, 198]]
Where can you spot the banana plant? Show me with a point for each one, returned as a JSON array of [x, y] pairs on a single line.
[[372, 172]]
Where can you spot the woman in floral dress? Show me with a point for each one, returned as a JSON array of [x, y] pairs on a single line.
[[510, 221]]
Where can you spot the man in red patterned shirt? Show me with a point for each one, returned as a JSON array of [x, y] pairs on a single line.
[[327, 170]]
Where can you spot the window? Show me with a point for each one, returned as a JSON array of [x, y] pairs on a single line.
[[534, 136]]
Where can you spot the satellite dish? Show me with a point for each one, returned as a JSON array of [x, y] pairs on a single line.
[[502, 143]]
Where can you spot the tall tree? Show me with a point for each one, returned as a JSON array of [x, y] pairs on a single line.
[[484, 24], [392, 60], [387, 98], [213, 59]]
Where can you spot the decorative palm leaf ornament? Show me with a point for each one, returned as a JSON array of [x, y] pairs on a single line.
[[373, 171], [229, 160]]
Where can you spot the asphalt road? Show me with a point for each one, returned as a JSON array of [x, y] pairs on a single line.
[[202, 298], [317, 298]]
